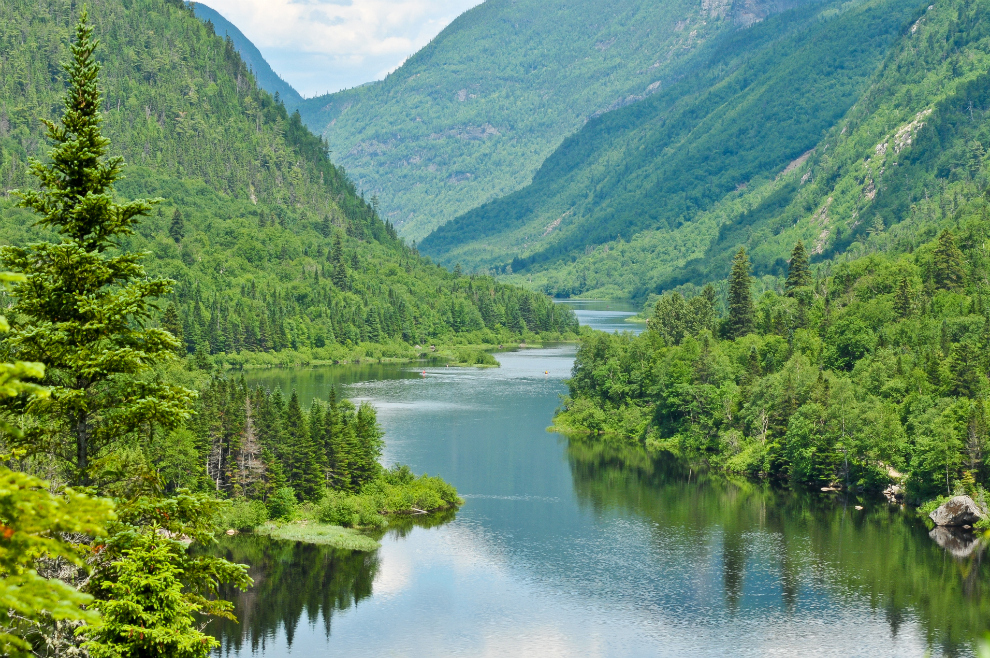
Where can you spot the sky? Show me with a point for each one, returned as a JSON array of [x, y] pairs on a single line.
[[321, 46]]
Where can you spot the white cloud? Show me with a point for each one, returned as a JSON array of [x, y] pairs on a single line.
[[327, 45]]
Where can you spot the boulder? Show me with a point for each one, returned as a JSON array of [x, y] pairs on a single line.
[[957, 511], [894, 493]]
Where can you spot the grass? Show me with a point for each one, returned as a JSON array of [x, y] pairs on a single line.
[[310, 532]]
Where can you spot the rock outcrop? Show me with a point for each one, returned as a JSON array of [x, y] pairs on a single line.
[[957, 511]]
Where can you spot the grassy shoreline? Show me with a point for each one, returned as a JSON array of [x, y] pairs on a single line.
[[455, 355], [323, 534]]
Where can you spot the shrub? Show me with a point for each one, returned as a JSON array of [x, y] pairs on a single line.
[[244, 515], [282, 504]]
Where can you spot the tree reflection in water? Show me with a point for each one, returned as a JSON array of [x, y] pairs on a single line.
[[293, 579], [883, 552]]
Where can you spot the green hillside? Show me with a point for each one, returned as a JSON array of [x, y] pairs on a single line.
[[254, 209], [755, 101], [266, 78], [906, 152], [473, 115]]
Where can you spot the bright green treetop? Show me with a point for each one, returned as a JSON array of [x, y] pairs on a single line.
[[947, 265], [34, 522], [81, 310]]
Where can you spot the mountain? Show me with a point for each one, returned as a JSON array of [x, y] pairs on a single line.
[[266, 78], [897, 159], [473, 115], [751, 102], [271, 247]]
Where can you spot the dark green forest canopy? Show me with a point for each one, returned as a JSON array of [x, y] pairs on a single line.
[[876, 371], [259, 203], [750, 102], [900, 159]]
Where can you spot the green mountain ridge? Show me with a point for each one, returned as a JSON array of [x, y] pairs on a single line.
[[472, 116], [270, 245], [919, 114], [754, 102], [266, 78]]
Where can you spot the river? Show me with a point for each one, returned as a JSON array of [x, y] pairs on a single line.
[[566, 548]]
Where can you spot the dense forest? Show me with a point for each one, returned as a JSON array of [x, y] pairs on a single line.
[[270, 245], [900, 160], [472, 116], [751, 101], [868, 375], [116, 456]]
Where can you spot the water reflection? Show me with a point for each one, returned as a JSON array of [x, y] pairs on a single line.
[[571, 548], [290, 580], [294, 580], [786, 549]]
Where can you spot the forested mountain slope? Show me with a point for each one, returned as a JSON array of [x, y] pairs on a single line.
[[908, 151], [473, 115], [754, 101], [271, 247], [266, 78]]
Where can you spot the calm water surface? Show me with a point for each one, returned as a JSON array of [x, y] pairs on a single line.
[[566, 548]]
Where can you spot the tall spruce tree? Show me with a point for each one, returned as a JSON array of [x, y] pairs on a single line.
[[902, 298], [798, 273], [740, 321], [339, 274], [177, 229], [303, 462], [947, 263], [82, 306]]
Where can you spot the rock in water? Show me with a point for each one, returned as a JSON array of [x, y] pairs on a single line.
[[960, 510]]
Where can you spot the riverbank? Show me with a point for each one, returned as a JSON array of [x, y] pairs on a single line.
[[453, 354]]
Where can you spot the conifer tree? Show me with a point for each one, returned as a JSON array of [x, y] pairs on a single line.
[[740, 321], [303, 464], [173, 325], [798, 274], [370, 446], [177, 229], [947, 263], [339, 274], [902, 298], [37, 521], [83, 304]]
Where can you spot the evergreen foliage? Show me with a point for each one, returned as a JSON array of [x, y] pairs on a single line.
[[81, 306], [145, 613], [177, 229], [886, 375], [261, 203], [253, 444], [947, 266], [798, 273], [740, 321]]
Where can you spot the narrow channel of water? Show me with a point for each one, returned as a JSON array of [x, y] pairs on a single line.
[[567, 548]]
